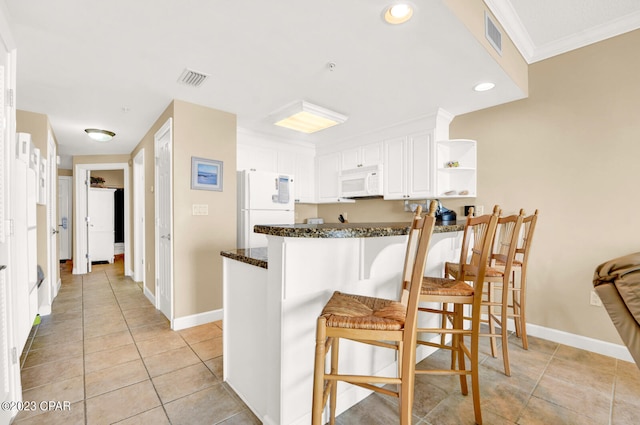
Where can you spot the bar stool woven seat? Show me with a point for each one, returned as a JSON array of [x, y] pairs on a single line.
[[361, 312]]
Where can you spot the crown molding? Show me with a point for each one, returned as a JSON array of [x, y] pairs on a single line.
[[510, 21], [593, 35]]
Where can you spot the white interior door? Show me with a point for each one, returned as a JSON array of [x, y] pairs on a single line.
[[10, 389], [87, 219], [64, 216], [52, 219], [164, 220], [138, 218]]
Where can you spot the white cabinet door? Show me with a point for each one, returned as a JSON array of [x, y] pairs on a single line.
[[255, 158], [362, 156], [305, 178], [420, 165], [395, 168], [327, 183], [408, 167]]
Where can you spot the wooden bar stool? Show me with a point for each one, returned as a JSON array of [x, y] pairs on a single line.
[[497, 282], [519, 286], [459, 293], [375, 321]]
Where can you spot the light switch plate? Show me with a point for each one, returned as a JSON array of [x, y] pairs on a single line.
[[200, 209]]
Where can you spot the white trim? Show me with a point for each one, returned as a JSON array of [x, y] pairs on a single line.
[[617, 351], [185, 322], [592, 35], [610, 349], [510, 21], [79, 228], [151, 297], [139, 248]]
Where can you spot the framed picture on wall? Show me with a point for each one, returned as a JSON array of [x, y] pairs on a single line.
[[206, 174]]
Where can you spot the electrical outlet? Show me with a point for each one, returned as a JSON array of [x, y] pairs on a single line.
[[479, 210], [595, 299]]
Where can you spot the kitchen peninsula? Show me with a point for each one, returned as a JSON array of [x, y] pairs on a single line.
[[273, 296]]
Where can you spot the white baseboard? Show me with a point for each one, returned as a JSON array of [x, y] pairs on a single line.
[[617, 351], [196, 319], [149, 295]]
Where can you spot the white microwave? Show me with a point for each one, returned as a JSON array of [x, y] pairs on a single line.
[[361, 182]]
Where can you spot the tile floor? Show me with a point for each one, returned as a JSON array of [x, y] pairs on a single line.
[[107, 351]]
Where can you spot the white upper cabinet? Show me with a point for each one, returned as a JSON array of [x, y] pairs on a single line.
[[408, 167], [456, 173], [362, 156], [256, 158], [305, 172], [259, 152], [327, 183]]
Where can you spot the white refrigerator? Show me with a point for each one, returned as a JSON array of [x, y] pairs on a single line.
[[263, 198]]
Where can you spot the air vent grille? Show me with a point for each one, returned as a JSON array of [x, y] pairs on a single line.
[[192, 78], [492, 33]]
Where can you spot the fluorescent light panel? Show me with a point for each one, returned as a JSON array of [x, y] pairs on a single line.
[[307, 118]]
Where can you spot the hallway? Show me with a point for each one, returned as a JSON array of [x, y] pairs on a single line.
[[113, 357]]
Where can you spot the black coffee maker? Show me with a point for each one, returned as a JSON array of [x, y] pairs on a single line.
[[444, 215]]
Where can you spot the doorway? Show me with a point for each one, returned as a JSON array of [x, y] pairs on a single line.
[[81, 188]]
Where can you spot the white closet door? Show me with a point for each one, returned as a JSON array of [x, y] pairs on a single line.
[[101, 227]]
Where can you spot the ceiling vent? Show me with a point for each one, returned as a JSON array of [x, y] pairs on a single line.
[[192, 78], [492, 33]]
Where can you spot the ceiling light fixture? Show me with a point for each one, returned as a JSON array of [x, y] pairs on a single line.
[[100, 135], [306, 117], [484, 86], [398, 13]]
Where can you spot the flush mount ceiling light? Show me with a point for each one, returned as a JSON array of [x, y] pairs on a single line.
[[484, 86], [398, 13], [306, 117], [100, 135]]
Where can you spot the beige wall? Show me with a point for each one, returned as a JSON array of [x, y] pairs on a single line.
[[571, 150], [38, 126], [198, 240]]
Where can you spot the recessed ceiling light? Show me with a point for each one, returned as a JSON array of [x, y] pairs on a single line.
[[100, 135], [398, 13], [484, 86]]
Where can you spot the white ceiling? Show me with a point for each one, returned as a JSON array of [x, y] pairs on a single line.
[[115, 64]]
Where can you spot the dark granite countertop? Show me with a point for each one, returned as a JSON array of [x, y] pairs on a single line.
[[349, 230], [254, 256], [258, 256]]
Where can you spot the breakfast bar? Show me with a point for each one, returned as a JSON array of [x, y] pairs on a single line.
[[273, 296]]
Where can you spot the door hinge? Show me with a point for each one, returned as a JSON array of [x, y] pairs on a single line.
[[14, 355], [86, 256], [87, 219]]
